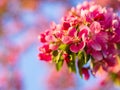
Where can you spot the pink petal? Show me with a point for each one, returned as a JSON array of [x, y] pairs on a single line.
[[111, 61], [115, 23], [77, 47], [84, 13], [97, 55], [58, 34], [83, 31], [72, 31], [94, 8], [66, 39], [41, 37], [103, 36], [53, 25], [99, 17], [95, 45], [81, 45], [116, 38], [48, 32], [74, 48], [50, 38], [45, 49], [102, 39], [95, 27], [66, 25], [105, 53], [45, 57], [53, 47]]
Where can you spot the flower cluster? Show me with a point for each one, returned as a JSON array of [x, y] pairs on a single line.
[[87, 38]]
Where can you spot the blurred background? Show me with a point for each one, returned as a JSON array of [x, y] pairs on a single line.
[[21, 21]]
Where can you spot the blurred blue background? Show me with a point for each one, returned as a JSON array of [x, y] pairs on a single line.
[[32, 19]]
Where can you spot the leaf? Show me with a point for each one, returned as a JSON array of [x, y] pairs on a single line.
[[57, 57], [63, 47], [113, 76], [86, 57], [83, 58], [80, 65], [79, 53], [72, 56], [59, 64], [71, 66]]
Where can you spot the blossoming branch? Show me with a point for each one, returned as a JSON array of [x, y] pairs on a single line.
[[87, 38]]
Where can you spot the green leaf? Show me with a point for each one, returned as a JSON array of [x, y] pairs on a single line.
[[79, 53], [113, 76], [72, 56], [57, 57], [83, 58], [71, 66], [63, 47], [86, 57], [59, 64], [80, 65]]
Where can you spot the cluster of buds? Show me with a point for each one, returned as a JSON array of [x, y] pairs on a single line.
[[87, 38]]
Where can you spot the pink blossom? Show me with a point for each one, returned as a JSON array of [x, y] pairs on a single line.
[[66, 25], [53, 47], [97, 55], [45, 48], [72, 31], [115, 24], [84, 32], [111, 61], [108, 19], [45, 57], [95, 45], [45, 53], [77, 47], [79, 40], [42, 38], [50, 38], [95, 27], [66, 39], [99, 17]]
